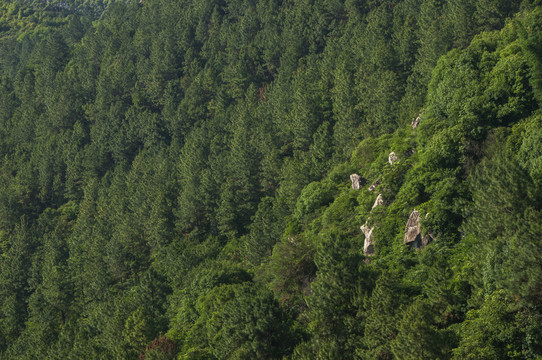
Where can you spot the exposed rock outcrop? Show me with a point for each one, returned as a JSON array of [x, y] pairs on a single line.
[[378, 202], [412, 229], [413, 232], [416, 122], [392, 158], [374, 185], [368, 246], [357, 181]]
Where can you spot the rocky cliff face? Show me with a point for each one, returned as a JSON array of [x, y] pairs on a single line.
[[378, 202], [413, 233], [357, 181], [368, 246], [416, 122], [412, 229]]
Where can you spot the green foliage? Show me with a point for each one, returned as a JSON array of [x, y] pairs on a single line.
[[182, 168], [313, 197], [292, 270], [505, 220], [496, 331], [418, 337], [383, 308], [529, 154]]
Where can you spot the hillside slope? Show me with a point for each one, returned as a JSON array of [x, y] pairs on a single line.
[[177, 179]]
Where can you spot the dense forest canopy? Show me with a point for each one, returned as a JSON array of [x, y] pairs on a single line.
[[270, 179]]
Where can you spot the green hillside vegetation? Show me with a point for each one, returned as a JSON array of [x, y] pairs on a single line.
[[175, 179]]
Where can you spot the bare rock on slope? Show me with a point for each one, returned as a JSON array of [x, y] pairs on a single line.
[[357, 181], [368, 246]]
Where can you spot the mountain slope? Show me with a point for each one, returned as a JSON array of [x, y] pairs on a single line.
[[176, 180]]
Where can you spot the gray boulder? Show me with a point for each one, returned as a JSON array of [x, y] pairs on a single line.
[[413, 231], [368, 246], [378, 202], [357, 181], [392, 158], [374, 185], [416, 122]]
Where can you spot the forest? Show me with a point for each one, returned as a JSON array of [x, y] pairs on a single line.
[[271, 179]]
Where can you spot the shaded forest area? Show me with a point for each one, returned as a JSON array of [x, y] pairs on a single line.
[[175, 179]]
